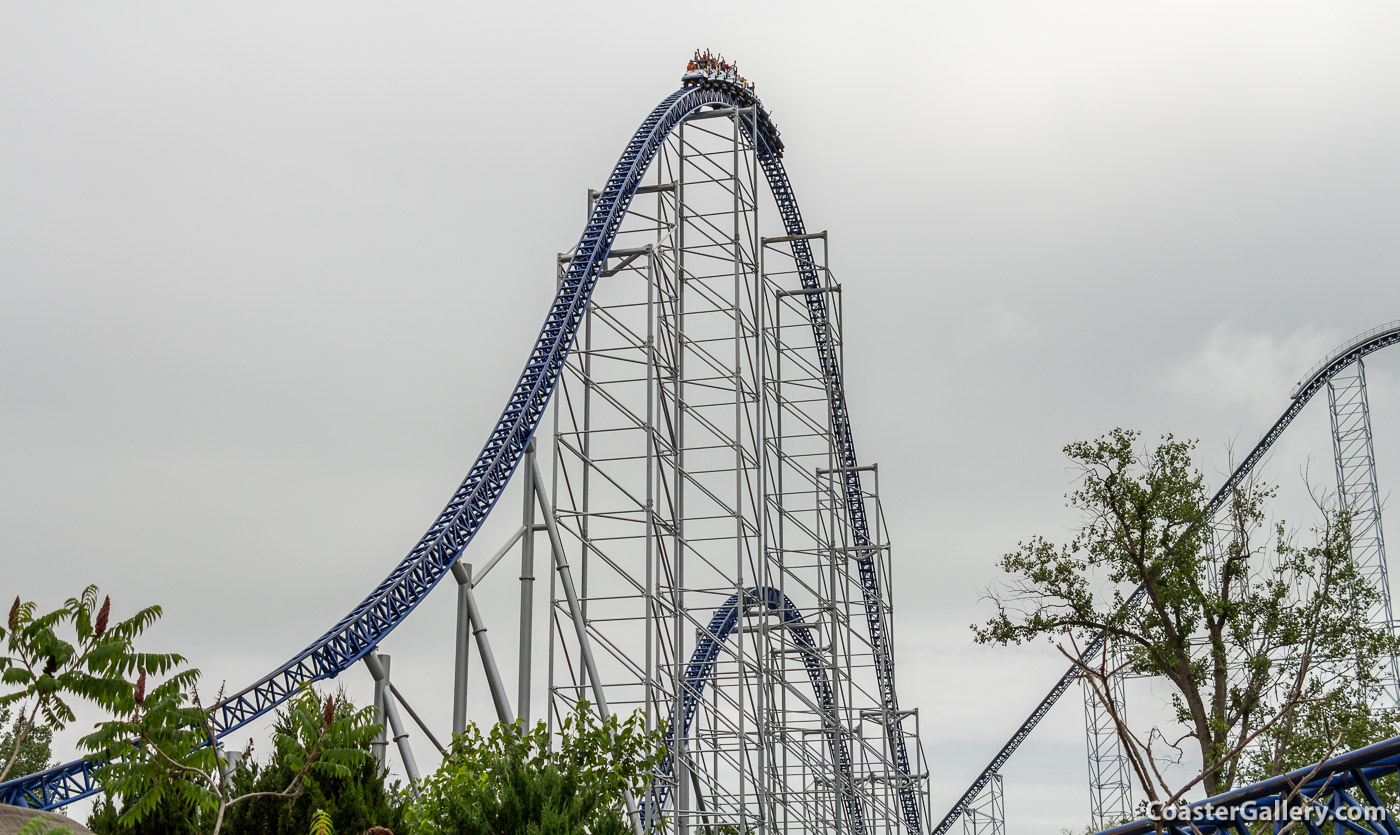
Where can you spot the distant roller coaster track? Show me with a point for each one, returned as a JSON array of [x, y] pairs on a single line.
[[702, 664], [431, 559], [1311, 383]]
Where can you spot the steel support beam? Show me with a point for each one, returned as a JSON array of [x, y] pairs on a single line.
[[494, 682], [987, 814], [1110, 777], [1358, 493], [462, 573], [528, 472], [379, 668]]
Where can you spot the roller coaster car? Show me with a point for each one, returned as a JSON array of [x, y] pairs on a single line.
[[692, 78]]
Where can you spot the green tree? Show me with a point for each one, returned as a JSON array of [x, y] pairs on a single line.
[[169, 818], [513, 781], [40, 826], [351, 803], [1254, 642], [160, 754], [72, 651], [35, 744]]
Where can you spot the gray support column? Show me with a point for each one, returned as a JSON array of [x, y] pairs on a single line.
[[379, 669], [527, 584], [380, 745], [488, 660], [463, 575], [681, 771]]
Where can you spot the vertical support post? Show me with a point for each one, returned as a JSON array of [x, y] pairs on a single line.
[[527, 585], [680, 770], [1358, 493], [649, 579], [380, 745], [463, 575], [740, 537], [552, 620], [379, 668], [1110, 778]]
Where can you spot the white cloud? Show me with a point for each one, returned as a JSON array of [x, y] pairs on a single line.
[[1250, 371], [1010, 323]]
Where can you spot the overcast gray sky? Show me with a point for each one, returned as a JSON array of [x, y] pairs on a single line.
[[268, 271]]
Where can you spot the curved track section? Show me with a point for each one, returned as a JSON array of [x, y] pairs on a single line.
[[1313, 382], [702, 665], [425, 565]]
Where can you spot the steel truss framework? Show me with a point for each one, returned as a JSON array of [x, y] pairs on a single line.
[[987, 815], [1314, 381], [1110, 777], [747, 730], [701, 489], [1359, 495]]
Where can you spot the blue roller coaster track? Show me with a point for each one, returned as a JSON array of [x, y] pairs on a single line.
[[702, 665], [1312, 382], [429, 561], [1336, 795]]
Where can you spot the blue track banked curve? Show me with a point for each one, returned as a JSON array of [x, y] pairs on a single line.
[[1311, 384], [702, 666], [431, 559]]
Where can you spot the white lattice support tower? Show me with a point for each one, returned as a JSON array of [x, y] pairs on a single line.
[[987, 814], [1359, 494], [692, 463], [1110, 777]]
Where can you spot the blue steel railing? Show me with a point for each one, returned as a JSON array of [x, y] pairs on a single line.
[[426, 564], [1336, 795]]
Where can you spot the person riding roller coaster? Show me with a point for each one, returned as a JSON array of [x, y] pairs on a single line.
[[704, 66]]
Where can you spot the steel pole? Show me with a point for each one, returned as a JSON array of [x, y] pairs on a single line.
[[527, 585], [379, 668], [380, 745], [488, 661], [463, 575]]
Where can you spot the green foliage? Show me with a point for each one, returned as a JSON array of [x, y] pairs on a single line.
[[321, 823], [351, 804], [1325, 724], [170, 818], [72, 651], [512, 781], [35, 748], [1255, 643], [159, 752], [39, 826]]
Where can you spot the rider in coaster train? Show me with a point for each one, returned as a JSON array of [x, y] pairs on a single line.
[[705, 65]]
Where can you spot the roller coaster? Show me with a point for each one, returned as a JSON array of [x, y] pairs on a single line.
[[719, 556]]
